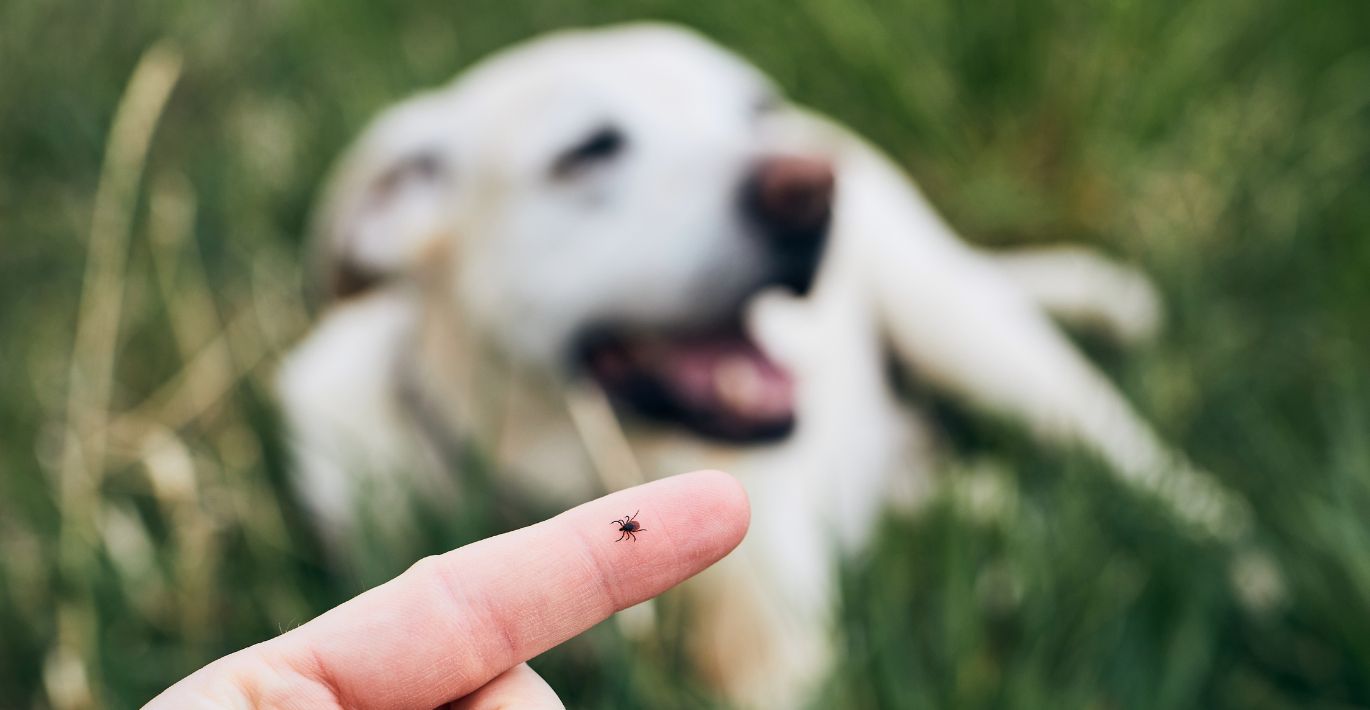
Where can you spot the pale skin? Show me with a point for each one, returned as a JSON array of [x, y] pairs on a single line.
[[455, 630]]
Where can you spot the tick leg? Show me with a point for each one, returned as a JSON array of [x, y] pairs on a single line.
[[620, 538], [633, 516]]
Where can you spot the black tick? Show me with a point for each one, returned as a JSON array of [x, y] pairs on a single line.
[[629, 527]]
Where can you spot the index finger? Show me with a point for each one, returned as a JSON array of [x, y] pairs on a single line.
[[454, 621]]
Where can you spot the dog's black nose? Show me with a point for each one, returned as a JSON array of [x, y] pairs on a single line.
[[792, 196]]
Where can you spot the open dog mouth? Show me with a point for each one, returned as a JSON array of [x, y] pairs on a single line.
[[717, 382]]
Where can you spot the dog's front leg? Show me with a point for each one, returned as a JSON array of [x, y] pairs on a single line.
[[1082, 288]]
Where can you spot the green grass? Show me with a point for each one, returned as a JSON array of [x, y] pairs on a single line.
[[1222, 144]]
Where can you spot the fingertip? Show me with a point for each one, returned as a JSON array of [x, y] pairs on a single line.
[[689, 521], [728, 502]]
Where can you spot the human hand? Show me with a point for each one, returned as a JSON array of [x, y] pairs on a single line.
[[455, 629]]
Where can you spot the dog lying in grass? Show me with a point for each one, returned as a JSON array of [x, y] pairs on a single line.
[[614, 254]]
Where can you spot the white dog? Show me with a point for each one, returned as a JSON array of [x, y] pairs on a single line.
[[618, 253]]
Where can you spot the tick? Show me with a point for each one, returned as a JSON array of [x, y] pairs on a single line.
[[629, 527]]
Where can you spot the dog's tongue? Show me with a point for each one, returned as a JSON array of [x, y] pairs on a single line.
[[721, 382], [729, 376]]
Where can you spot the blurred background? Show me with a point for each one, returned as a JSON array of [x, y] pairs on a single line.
[[151, 275]]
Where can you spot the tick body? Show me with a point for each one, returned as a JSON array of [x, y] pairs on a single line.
[[629, 527]]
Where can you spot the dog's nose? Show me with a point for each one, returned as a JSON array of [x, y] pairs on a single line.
[[792, 195]]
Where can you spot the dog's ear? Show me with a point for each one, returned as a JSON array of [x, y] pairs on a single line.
[[384, 209]]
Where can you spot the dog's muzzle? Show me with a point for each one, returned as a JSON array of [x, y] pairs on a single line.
[[713, 379]]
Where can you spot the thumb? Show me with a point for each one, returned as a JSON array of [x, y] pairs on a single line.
[[518, 687]]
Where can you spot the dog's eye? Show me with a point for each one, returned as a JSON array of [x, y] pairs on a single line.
[[421, 167], [601, 145]]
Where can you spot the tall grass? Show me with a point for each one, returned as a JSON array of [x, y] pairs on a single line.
[[160, 157]]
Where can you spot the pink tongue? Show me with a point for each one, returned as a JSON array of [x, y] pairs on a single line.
[[729, 376]]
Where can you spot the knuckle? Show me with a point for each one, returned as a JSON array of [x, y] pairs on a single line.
[[474, 613], [601, 572], [439, 574]]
